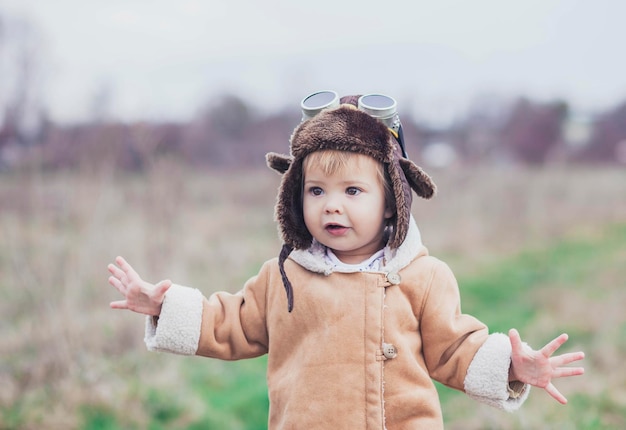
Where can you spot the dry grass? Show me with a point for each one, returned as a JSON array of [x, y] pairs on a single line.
[[487, 211], [61, 347]]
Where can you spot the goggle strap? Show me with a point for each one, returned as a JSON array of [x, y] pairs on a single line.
[[400, 139]]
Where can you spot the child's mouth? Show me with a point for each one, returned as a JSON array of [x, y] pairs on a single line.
[[336, 229]]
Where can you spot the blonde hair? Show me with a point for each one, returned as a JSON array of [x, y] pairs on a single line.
[[331, 161]]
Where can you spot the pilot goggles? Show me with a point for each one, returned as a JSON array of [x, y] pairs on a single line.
[[377, 106]]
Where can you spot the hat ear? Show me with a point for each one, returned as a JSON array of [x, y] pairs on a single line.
[[419, 180], [278, 162]]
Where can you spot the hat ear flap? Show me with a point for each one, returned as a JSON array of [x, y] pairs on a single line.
[[419, 180], [278, 162], [289, 211]]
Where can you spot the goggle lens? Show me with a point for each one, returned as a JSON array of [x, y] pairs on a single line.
[[377, 103], [381, 107], [316, 102]]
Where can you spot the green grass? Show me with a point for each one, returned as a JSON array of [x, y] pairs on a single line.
[[235, 393], [502, 293], [210, 394], [509, 294], [98, 418], [517, 291]]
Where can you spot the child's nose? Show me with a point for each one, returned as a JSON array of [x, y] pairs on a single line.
[[333, 205]]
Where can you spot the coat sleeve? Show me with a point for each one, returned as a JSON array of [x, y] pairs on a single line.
[[488, 375], [226, 326], [177, 329], [458, 349]]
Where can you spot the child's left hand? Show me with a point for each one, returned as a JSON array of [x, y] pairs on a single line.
[[538, 368], [139, 296]]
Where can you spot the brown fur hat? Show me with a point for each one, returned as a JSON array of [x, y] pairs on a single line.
[[345, 128]]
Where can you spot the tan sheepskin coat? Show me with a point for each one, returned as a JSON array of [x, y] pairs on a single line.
[[327, 367]]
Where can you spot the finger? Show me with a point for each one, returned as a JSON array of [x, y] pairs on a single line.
[[116, 271], [562, 372], [127, 268], [551, 389], [162, 287], [553, 345], [117, 284], [563, 359], [516, 342], [120, 304]]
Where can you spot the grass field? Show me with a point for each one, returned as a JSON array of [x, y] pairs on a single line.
[[540, 250]]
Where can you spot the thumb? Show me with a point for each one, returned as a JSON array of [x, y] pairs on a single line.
[[516, 342], [162, 287]]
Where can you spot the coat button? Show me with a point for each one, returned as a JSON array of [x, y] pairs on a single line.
[[393, 278], [389, 351]]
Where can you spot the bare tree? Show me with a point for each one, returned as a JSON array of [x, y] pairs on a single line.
[[533, 130], [608, 137], [22, 115]]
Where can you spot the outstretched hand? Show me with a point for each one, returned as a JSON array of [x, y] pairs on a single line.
[[139, 296], [539, 368]]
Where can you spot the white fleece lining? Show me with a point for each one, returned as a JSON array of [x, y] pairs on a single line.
[[487, 378], [178, 327]]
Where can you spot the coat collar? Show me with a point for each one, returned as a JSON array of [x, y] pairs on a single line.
[[314, 258]]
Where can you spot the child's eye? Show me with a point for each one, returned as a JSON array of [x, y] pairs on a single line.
[[316, 191], [353, 191]]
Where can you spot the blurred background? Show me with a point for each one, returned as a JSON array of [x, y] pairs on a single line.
[[139, 128]]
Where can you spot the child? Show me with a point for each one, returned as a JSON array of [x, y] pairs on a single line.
[[355, 315]]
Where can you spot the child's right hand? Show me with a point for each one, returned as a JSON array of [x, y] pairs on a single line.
[[139, 296]]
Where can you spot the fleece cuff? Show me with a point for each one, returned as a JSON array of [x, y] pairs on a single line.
[[177, 329], [487, 378]]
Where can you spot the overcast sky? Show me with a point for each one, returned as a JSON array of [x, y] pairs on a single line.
[[157, 59]]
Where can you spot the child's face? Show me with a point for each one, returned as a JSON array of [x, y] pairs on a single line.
[[346, 210]]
